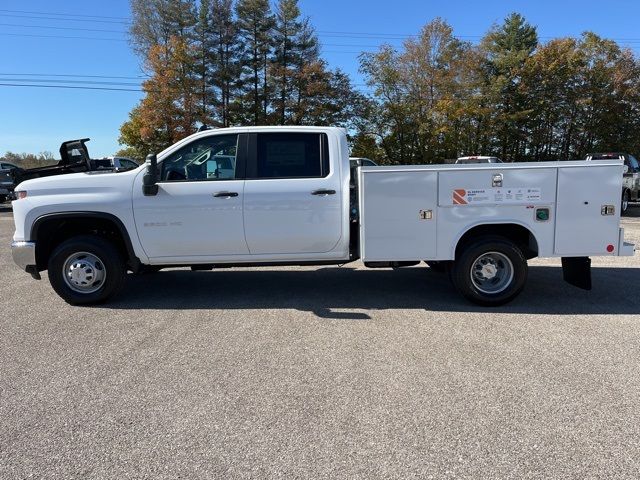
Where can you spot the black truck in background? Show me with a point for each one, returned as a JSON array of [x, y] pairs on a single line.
[[74, 158]]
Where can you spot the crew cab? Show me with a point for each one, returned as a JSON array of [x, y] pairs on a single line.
[[288, 196]]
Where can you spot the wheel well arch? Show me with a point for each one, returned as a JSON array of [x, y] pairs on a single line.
[[517, 233], [49, 230]]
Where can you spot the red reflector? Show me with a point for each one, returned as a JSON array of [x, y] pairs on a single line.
[[610, 248]]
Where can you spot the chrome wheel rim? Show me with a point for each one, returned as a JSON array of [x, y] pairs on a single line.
[[84, 272], [492, 272]]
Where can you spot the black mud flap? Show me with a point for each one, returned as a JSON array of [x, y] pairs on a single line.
[[577, 271]]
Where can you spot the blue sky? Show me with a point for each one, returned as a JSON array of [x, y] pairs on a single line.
[[37, 119]]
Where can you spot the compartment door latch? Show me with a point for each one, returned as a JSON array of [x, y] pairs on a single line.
[[496, 180]]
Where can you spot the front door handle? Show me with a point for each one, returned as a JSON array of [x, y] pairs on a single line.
[[225, 194], [323, 191]]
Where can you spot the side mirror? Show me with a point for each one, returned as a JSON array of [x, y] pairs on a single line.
[[150, 179]]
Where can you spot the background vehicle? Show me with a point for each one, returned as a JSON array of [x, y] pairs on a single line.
[[74, 157], [631, 177], [361, 162], [6, 180], [113, 163], [478, 159], [290, 197]]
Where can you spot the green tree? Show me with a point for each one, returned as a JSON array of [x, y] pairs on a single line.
[[419, 95], [226, 61], [203, 60], [552, 85], [287, 29], [255, 23], [507, 49], [155, 22], [608, 104]]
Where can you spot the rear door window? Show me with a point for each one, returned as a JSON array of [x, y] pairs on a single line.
[[290, 155]]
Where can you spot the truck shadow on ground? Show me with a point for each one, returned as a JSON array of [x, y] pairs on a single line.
[[326, 291]]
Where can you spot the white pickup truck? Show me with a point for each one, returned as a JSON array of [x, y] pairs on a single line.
[[287, 196]]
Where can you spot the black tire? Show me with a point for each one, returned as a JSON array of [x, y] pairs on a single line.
[[440, 267], [109, 262], [3, 198], [501, 255], [624, 202]]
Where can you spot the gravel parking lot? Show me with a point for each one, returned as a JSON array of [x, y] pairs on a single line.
[[321, 373]]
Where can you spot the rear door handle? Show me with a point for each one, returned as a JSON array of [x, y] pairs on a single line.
[[323, 191], [225, 194]]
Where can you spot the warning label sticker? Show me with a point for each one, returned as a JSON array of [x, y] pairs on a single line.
[[483, 196]]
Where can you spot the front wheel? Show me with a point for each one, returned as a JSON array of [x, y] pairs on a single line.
[[86, 270], [490, 271]]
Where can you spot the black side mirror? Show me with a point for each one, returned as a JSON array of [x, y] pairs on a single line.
[[150, 179]]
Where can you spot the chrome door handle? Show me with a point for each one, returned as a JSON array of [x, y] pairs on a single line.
[[225, 194], [323, 191]]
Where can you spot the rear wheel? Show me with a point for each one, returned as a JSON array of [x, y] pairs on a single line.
[[3, 198], [86, 270], [624, 204], [490, 271]]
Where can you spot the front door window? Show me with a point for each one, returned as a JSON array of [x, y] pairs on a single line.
[[208, 158]]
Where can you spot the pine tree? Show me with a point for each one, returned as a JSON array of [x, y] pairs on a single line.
[[508, 48], [255, 23], [287, 30], [203, 67], [305, 61], [225, 57], [156, 21]]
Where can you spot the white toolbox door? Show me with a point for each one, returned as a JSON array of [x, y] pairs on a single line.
[[392, 227], [581, 229]]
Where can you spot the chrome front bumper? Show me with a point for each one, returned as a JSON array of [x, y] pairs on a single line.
[[24, 254]]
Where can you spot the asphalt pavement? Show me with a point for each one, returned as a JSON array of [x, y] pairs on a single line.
[[327, 372]]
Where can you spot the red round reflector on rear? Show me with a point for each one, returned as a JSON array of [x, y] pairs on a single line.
[[610, 248]]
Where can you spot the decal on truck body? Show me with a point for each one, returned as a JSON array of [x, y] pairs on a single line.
[[484, 196]]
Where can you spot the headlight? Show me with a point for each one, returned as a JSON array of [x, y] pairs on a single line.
[[20, 194]]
